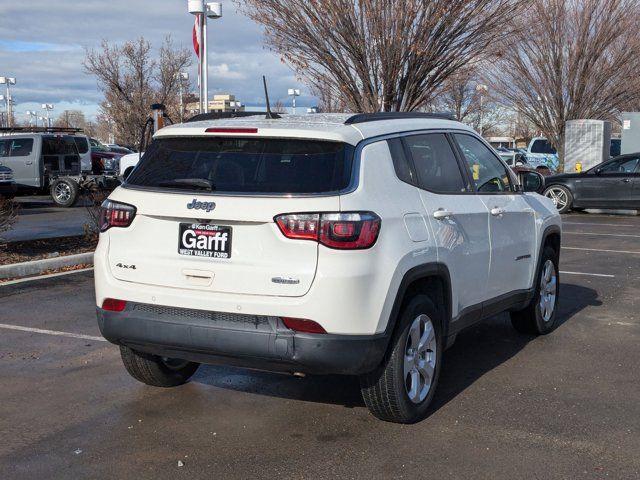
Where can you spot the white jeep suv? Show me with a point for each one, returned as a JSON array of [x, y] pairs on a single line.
[[322, 244]]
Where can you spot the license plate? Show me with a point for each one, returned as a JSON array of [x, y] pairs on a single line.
[[204, 240]]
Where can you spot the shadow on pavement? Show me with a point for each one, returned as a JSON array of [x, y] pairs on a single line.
[[477, 351]]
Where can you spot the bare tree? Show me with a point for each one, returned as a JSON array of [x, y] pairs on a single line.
[[132, 79], [390, 55], [575, 63], [71, 119]]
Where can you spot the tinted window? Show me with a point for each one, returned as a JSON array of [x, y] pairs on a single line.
[[82, 144], [615, 149], [3, 147], [488, 173], [621, 166], [242, 165], [17, 147], [542, 146], [435, 163], [59, 145], [401, 164]]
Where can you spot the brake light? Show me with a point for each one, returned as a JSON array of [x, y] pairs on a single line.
[[116, 214], [231, 130], [302, 325], [343, 231], [113, 305]]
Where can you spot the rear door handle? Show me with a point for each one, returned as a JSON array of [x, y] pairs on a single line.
[[496, 212], [28, 163], [626, 180], [442, 214]]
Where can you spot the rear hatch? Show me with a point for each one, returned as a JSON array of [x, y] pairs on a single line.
[[205, 211]]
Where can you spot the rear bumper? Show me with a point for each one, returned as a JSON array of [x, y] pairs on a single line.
[[249, 341]]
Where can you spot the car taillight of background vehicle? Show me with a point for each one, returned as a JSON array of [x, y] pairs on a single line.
[[342, 231], [115, 214]]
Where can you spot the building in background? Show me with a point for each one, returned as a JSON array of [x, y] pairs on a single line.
[[220, 103]]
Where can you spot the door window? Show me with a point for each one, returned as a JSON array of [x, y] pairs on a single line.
[[620, 166], [20, 147], [435, 163], [488, 173], [3, 147]]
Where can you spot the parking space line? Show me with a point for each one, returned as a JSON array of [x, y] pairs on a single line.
[[601, 250], [600, 224], [51, 332], [602, 234], [588, 274]]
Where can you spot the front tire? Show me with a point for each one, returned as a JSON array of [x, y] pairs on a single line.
[[401, 389], [157, 371], [561, 197], [64, 192], [539, 317]]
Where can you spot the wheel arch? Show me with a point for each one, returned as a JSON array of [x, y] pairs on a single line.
[[432, 279]]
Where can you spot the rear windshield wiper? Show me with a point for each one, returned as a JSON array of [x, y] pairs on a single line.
[[187, 183]]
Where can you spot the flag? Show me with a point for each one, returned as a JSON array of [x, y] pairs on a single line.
[[196, 35]]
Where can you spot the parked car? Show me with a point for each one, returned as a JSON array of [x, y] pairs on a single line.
[[345, 244], [7, 184], [612, 184], [128, 163], [103, 160], [542, 154], [48, 162]]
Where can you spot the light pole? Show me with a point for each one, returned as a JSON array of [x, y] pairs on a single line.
[[182, 77], [42, 119], [48, 107], [293, 93], [203, 9], [8, 81], [482, 90], [32, 115]]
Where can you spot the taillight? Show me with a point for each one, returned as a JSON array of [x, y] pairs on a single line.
[[302, 325], [115, 214], [231, 130], [344, 231], [113, 305]]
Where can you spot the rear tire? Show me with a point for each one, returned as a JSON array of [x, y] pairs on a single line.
[[64, 192], [157, 371], [539, 317], [402, 388], [561, 196]]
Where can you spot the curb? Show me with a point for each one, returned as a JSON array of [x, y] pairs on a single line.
[[25, 269]]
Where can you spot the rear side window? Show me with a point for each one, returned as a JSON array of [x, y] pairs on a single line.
[[543, 146], [435, 163], [401, 163], [243, 165], [59, 145], [82, 143]]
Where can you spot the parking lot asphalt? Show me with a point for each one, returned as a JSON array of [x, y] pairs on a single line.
[[39, 218], [508, 406]]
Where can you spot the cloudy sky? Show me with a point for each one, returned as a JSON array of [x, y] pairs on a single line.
[[42, 44]]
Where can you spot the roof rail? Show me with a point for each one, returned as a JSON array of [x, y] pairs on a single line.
[[374, 117], [39, 130], [222, 116]]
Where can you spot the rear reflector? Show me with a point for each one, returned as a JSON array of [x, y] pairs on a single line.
[[303, 326], [113, 305], [231, 130]]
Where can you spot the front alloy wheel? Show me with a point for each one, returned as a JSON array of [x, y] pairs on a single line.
[[560, 196], [548, 289]]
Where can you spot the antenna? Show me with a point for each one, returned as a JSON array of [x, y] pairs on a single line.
[[270, 115]]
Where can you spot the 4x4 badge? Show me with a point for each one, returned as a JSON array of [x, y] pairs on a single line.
[[196, 205]]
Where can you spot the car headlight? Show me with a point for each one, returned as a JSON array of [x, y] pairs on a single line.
[[112, 163]]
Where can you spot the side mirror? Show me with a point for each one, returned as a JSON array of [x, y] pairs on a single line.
[[532, 182]]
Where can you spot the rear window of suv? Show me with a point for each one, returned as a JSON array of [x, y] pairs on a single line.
[[245, 165]]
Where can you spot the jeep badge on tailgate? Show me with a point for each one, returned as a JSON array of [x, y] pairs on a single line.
[[196, 205]]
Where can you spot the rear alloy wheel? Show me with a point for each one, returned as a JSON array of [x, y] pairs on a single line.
[[157, 371], [561, 196], [64, 192], [402, 388]]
